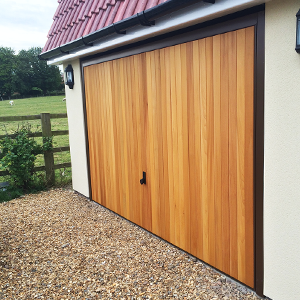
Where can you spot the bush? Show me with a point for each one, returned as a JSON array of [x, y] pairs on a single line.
[[37, 91], [17, 156], [9, 193]]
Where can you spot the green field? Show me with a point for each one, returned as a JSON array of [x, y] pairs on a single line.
[[33, 106], [36, 106]]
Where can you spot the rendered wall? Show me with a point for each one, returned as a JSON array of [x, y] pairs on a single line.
[[282, 153], [77, 132]]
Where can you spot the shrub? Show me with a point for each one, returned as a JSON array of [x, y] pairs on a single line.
[[17, 156], [9, 193]]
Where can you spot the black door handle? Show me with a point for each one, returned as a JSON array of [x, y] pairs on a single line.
[[143, 180]]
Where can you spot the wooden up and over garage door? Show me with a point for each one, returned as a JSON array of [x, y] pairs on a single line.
[[184, 115]]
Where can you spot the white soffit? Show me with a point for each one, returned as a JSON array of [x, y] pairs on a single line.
[[188, 16]]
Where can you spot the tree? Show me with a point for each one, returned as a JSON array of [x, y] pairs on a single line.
[[26, 74], [34, 75], [7, 71]]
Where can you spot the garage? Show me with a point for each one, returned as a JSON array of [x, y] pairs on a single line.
[[164, 87], [171, 144]]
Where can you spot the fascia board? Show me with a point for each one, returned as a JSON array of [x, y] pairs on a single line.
[[194, 14]]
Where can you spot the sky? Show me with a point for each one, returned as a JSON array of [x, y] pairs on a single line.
[[25, 23]]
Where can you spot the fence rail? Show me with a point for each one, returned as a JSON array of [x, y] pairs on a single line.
[[32, 117], [45, 118], [42, 168], [38, 134]]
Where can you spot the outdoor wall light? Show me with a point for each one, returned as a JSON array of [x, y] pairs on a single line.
[[69, 76], [298, 32]]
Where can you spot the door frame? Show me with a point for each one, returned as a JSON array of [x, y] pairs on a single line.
[[246, 18]]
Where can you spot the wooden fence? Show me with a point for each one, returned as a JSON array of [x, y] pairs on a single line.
[[45, 118]]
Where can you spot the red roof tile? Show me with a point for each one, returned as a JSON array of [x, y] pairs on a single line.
[[76, 18]]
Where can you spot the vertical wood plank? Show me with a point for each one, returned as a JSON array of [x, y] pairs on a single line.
[[204, 138], [159, 159], [107, 138], [111, 132], [197, 213], [117, 134], [169, 111], [134, 177], [174, 99], [249, 178], [224, 146], [164, 95], [233, 152], [122, 150], [123, 119], [193, 81], [139, 136], [185, 62], [98, 154], [97, 151], [147, 202], [241, 91], [151, 90], [179, 215], [210, 149], [217, 167]]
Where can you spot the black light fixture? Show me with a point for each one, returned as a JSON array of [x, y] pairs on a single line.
[[69, 76], [298, 32]]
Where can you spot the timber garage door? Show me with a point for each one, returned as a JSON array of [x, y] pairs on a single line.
[[184, 115]]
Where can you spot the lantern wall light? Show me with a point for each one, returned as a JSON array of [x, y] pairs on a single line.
[[69, 76], [298, 32]]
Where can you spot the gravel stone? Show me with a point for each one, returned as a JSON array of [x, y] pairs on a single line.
[[59, 245]]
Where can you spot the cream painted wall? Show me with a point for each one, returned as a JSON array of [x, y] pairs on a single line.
[[77, 132], [282, 153]]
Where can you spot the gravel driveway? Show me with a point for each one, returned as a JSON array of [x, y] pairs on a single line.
[[59, 245]]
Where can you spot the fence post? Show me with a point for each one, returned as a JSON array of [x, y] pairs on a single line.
[[48, 155]]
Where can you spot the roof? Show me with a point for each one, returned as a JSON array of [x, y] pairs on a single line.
[[74, 19]]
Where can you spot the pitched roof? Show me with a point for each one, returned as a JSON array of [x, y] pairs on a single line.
[[76, 18]]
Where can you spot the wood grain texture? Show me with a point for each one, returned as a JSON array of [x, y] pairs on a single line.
[[210, 149], [203, 197], [217, 150], [197, 204], [249, 157], [225, 98], [169, 141], [193, 79], [165, 94], [184, 115], [233, 151]]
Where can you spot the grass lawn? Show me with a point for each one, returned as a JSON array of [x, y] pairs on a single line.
[[36, 106], [33, 106]]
